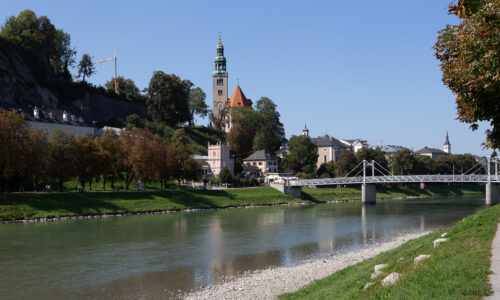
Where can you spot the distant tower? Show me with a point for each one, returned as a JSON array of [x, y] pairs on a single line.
[[305, 131], [220, 81], [447, 145]]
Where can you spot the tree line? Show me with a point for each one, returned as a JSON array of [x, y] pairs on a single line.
[[303, 156], [134, 154]]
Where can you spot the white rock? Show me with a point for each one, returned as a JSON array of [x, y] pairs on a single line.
[[420, 258], [439, 241], [391, 279], [444, 234], [376, 274], [380, 267], [369, 284]]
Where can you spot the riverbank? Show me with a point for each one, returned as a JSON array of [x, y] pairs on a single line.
[[457, 269], [270, 283], [61, 206], [328, 194]]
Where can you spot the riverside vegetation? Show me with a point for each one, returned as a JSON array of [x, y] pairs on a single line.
[[457, 269], [20, 206]]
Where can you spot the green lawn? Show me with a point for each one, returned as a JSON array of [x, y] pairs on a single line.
[[329, 194], [458, 269], [42, 205]]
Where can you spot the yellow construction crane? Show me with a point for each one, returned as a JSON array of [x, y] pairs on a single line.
[[115, 58]]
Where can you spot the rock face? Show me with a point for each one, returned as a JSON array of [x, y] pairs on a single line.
[[439, 241], [420, 258], [380, 267], [391, 279], [23, 87]]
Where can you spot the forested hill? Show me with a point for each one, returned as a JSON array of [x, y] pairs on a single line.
[[27, 80]]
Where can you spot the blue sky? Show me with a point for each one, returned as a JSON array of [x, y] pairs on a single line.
[[350, 69]]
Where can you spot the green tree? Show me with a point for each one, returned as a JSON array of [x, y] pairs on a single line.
[[197, 104], [85, 67], [39, 37], [469, 53], [168, 99], [327, 170], [403, 162], [347, 162], [62, 150], [372, 154], [225, 175], [424, 165], [134, 121], [126, 86], [302, 155], [270, 132]]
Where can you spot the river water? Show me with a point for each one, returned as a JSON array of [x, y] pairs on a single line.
[[162, 256]]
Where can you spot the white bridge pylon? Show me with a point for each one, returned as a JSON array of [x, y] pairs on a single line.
[[384, 176]]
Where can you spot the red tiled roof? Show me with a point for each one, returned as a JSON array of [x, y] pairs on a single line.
[[238, 99]]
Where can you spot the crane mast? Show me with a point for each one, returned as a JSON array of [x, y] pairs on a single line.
[[115, 58]]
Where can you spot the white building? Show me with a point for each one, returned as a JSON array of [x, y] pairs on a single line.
[[49, 120]]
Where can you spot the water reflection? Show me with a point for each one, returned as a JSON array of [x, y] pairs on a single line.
[[162, 256]]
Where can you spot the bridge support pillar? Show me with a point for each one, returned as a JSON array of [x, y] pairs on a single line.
[[368, 193], [492, 194], [294, 191]]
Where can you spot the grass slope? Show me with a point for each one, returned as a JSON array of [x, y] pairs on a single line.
[[328, 194], [42, 205], [458, 269]]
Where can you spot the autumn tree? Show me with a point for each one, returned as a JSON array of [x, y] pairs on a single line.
[[85, 67], [14, 134], [197, 104], [240, 139], [167, 100], [110, 155], [36, 156], [61, 158], [86, 160], [469, 53]]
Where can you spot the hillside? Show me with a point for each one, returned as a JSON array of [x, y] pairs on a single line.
[[26, 81]]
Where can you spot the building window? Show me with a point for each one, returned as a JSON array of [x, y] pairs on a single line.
[[324, 158], [260, 163], [219, 92], [254, 164], [214, 153], [220, 81]]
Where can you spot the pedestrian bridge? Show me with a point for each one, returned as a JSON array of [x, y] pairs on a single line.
[[368, 182]]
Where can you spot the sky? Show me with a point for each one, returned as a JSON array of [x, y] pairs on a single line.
[[349, 69]]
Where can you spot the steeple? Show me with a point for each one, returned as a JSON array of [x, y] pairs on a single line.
[[305, 131], [447, 145], [220, 61]]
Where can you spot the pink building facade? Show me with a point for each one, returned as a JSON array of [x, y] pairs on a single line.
[[219, 157]]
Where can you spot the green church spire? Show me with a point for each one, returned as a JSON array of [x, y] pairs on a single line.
[[220, 61]]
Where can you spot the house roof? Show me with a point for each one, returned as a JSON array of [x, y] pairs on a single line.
[[426, 150], [326, 141], [238, 99], [259, 155]]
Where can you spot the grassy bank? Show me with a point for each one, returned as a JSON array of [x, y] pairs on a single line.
[[44, 205], [48, 205], [458, 269], [328, 194]]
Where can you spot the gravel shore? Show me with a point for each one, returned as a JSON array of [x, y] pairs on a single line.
[[270, 283]]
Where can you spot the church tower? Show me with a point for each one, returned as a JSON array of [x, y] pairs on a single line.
[[219, 82], [447, 145], [305, 131]]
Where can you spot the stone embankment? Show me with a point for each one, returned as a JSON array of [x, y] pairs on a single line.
[[270, 283]]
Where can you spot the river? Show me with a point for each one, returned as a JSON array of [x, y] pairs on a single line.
[[162, 256]]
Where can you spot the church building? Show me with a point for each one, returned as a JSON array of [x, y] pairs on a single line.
[[221, 103]]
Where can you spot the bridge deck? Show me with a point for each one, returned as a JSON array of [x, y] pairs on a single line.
[[396, 179]]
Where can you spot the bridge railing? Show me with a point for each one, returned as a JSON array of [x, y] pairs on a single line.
[[396, 179]]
